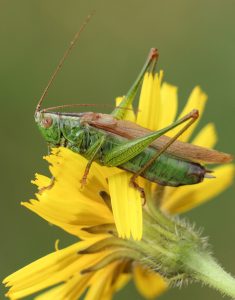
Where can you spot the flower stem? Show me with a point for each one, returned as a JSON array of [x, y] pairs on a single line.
[[208, 271], [175, 250]]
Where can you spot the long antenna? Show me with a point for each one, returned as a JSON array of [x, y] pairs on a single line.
[[81, 105], [66, 54], [75, 105]]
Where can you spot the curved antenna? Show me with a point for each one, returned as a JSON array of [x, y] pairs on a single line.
[[80, 105], [75, 105], [66, 54]]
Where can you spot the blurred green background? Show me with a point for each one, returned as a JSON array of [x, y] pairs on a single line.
[[196, 40]]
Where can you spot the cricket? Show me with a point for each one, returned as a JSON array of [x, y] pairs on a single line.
[[111, 141]]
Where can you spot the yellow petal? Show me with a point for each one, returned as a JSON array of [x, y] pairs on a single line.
[[148, 283], [43, 272], [144, 102], [53, 293], [108, 295], [121, 281], [41, 181], [169, 104], [70, 290], [187, 197], [150, 104], [52, 269], [64, 203], [197, 100], [100, 283], [70, 222], [130, 115], [207, 137], [117, 281], [126, 205], [67, 165]]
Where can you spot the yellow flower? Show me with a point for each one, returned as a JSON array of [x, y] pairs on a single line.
[[106, 212]]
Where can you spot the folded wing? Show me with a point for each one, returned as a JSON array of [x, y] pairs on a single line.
[[179, 149]]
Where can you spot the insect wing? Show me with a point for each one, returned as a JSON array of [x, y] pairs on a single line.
[[178, 149]]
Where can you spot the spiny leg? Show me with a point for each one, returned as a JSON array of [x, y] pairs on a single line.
[[91, 155], [193, 115], [120, 111], [51, 184]]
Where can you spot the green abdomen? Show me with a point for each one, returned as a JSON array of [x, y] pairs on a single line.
[[166, 170]]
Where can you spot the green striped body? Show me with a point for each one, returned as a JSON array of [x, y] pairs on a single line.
[[66, 130], [166, 170]]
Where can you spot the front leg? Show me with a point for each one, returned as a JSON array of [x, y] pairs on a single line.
[[48, 187], [50, 146]]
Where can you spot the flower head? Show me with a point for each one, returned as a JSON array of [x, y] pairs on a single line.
[[107, 215]]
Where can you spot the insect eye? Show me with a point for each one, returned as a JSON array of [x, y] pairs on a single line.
[[47, 122]]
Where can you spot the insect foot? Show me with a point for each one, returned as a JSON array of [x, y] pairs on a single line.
[[83, 182], [41, 190], [136, 186]]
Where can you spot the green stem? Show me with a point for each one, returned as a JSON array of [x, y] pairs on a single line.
[[173, 249], [208, 271]]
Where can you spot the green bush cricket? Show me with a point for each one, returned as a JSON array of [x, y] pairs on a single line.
[[111, 141]]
